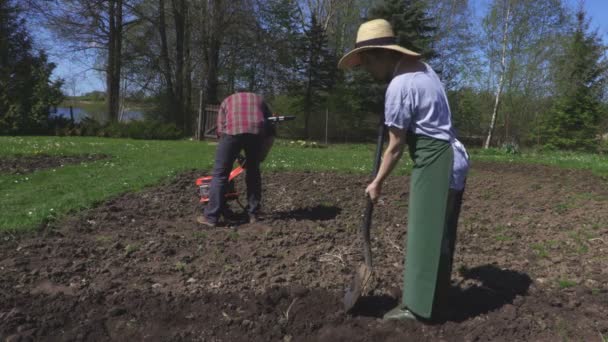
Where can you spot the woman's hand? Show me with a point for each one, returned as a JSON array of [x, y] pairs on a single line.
[[373, 190]]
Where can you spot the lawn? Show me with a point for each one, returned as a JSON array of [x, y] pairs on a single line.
[[27, 200]]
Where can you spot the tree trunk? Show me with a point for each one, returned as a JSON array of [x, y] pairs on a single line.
[[117, 59], [164, 56], [502, 77], [213, 51], [188, 124], [178, 16], [112, 89]]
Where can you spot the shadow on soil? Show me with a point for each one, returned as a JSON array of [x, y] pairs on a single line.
[[497, 288], [316, 213]]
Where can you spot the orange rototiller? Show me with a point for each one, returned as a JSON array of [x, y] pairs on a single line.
[[203, 184]]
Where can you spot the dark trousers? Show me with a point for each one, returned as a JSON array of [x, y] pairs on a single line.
[[448, 248], [228, 149]]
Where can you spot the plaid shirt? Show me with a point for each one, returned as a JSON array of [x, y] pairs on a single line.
[[242, 113]]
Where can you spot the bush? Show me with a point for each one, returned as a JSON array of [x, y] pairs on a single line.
[[306, 144], [133, 129], [602, 147], [510, 148]]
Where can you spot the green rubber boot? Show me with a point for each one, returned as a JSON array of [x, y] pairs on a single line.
[[399, 314]]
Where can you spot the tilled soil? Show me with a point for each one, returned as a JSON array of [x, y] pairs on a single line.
[[531, 264], [28, 164]]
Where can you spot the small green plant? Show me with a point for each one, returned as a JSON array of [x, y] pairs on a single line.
[[562, 208], [130, 249], [540, 249], [510, 148], [200, 235], [234, 235], [503, 238], [565, 283], [180, 266], [462, 269], [595, 291], [579, 237], [103, 239]]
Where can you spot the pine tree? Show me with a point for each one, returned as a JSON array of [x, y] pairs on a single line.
[[575, 119], [319, 71], [26, 92], [412, 26]]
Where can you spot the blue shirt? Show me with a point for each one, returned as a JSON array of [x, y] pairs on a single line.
[[416, 102]]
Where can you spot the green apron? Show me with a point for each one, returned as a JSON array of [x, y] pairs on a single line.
[[428, 258]]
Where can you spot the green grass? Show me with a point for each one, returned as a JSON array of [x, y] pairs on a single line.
[[596, 163], [28, 200], [565, 283]]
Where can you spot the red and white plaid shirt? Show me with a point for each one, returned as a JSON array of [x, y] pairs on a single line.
[[242, 113]]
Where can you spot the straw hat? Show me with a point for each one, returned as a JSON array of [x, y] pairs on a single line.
[[374, 34]]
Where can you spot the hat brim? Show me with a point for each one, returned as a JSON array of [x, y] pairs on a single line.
[[353, 59]]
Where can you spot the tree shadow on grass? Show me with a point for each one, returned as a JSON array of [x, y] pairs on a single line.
[[316, 213], [497, 288]]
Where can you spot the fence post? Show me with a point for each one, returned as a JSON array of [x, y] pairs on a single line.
[[326, 123], [200, 136]]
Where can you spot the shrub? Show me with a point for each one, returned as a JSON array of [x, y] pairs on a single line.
[[133, 129], [510, 148]]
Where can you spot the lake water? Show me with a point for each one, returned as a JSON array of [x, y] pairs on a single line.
[[79, 114]]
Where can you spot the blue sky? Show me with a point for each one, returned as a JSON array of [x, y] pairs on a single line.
[[78, 67]]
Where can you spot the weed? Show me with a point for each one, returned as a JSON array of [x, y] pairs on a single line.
[[562, 208], [503, 238], [541, 250], [565, 283], [579, 237], [180, 266], [200, 235], [130, 249], [234, 235], [462, 269], [595, 291], [103, 239]]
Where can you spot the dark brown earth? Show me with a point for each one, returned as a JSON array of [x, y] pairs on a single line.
[[27, 164], [531, 264]]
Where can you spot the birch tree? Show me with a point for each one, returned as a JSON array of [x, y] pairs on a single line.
[[506, 19]]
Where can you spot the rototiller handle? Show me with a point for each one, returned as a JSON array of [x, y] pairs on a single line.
[[280, 118]]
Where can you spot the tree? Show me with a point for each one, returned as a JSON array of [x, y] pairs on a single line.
[[519, 39], [319, 71], [454, 38], [412, 25], [93, 25], [576, 116], [506, 19], [26, 91]]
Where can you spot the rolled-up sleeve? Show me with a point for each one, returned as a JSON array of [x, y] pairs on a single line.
[[398, 106], [221, 120]]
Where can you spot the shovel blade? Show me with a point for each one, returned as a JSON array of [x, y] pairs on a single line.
[[357, 286]]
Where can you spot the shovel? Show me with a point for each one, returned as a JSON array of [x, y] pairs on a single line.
[[364, 272]]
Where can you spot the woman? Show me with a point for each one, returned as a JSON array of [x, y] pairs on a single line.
[[417, 113]]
